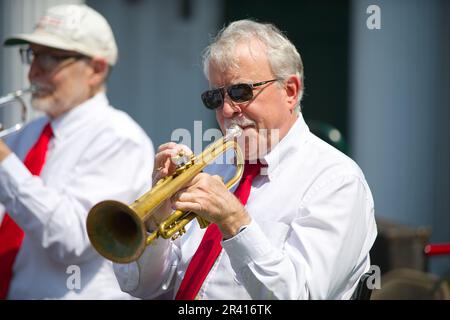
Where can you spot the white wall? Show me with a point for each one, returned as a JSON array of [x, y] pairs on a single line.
[[399, 110], [159, 77]]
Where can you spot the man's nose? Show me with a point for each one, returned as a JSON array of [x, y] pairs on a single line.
[[35, 71], [230, 109]]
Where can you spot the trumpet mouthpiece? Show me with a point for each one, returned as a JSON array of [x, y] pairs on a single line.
[[233, 132]]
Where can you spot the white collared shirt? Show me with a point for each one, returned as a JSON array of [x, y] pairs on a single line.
[[311, 231], [96, 153]]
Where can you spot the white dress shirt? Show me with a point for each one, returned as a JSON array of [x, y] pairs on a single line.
[[312, 228], [96, 153]]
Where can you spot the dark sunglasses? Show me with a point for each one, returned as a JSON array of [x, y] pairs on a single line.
[[239, 93]]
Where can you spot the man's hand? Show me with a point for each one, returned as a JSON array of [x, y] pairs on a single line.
[[205, 195], [164, 167], [4, 150], [208, 197]]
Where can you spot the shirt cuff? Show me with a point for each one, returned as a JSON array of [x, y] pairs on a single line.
[[247, 246], [12, 174]]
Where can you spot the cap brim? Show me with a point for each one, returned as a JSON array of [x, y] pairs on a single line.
[[43, 39], [52, 41]]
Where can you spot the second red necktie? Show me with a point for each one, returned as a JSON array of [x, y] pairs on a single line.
[[11, 235]]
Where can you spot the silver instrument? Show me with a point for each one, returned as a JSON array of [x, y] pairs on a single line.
[[16, 96]]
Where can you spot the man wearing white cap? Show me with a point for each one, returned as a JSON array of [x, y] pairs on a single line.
[[56, 168]]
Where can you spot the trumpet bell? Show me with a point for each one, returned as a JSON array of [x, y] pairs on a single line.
[[116, 231]]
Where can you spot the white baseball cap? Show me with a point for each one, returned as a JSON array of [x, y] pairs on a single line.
[[74, 28]]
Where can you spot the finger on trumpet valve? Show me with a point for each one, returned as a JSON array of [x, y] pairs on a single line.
[[181, 158]]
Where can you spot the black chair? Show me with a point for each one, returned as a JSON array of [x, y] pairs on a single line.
[[411, 284], [363, 290]]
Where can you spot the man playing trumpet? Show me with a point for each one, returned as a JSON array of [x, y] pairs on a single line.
[[300, 229]]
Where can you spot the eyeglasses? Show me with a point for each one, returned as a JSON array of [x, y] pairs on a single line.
[[239, 93], [46, 61]]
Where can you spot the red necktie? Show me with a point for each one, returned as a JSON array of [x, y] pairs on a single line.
[[210, 247], [11, 235]]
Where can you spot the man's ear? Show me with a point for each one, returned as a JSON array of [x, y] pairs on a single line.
[[100, 69], [293, 86]]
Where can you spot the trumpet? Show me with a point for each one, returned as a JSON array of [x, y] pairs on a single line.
[[16, 96], [118, 231]]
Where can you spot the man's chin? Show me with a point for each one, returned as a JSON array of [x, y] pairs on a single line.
[[249, 128], [41, 104], [251, 157], [250, 148]]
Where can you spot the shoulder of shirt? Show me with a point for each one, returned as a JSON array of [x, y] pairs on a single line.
[[329, 166], [329, 159], [326, 166], [122, 126]]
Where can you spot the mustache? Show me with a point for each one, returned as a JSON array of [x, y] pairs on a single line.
[[41, 87], [241, 122]]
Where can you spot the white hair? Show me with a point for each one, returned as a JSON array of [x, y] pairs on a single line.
[[283, 57]]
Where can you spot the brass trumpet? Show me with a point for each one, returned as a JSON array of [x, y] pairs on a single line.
[[16, 96], [118, 231]]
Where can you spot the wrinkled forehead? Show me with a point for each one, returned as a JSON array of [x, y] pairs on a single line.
[[227, 54], [244, 59]]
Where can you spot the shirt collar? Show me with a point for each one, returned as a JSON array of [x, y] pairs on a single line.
[[71, 121], [287, 146]]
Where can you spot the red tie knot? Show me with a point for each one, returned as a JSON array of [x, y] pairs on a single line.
[[48, 131], [252, 169], [35, 158]]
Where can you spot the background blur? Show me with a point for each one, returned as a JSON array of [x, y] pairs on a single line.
[[386, 91]]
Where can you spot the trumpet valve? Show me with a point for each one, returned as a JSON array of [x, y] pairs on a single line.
[[179, 233], [181, 159], [182, 162], [202, 222]]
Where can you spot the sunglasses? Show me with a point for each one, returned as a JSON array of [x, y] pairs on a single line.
[[46, 61], [238, 93]]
